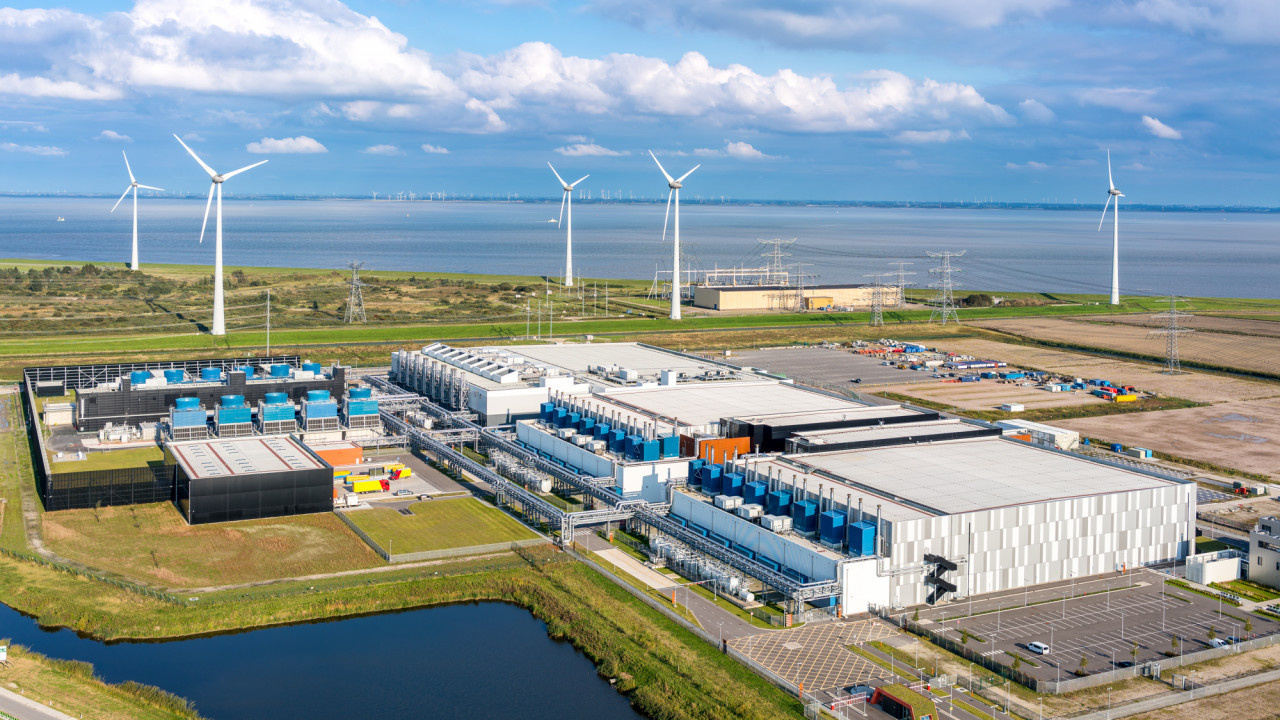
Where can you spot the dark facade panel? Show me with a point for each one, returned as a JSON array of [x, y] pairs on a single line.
[[805, 447], [100, 488], [773, 438], [258, 495]]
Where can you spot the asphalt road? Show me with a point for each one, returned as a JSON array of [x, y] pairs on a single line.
[[27, 709]]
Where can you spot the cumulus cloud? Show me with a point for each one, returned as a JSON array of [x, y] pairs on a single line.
[[931, 136], [24, 125], [1029, 165], [1159, 129], [113, 136], [301, 145], [627, 85], [193, 137], [302, 50], [382, 150], [434, 149], [1035, 111], [589, 150], [739, 150], [33, 149], [1136, 167]]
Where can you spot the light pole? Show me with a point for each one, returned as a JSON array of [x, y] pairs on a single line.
[[721, 626], [1108, 702], [970, 678]]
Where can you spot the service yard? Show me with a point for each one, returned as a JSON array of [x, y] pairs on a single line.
[[990, 394], [1241, 435], [827, 366], [1197, 386]]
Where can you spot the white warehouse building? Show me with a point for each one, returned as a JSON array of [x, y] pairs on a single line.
[[1006, 513]]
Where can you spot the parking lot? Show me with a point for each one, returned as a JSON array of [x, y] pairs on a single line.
[[1102, 628], [828, 366]]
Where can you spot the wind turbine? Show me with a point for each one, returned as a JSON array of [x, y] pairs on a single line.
[[133, 185], [675, 186], [1112, 192], [219, 323], [567, 199]]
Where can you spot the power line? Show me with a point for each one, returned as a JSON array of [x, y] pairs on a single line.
[[1171, 331], [945, 301], [355, 300], [877, 301]]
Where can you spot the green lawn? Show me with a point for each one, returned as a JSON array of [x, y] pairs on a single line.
[[439, 525], [110, 460], [1208, 544]]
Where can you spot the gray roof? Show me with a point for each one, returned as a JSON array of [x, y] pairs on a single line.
[[242, 456]]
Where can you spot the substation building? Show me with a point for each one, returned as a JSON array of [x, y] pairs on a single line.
[[788, 297], [890, 505]]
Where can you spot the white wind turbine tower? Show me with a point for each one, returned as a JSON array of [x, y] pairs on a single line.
[[1112, 192], [219, 322], [133, 185], [675, 186], [567, 199]]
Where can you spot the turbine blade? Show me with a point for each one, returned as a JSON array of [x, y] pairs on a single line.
[[132, 179], [665, 174], [126, 192], [575, 182], [149, 187], [1104, 212], [682, 177], [667, 216], [1111, 183], [207, 205], [197, 157], [553, 172], [563, 198], [234, 173]]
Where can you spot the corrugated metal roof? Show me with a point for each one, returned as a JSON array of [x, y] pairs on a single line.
[[242, 456]]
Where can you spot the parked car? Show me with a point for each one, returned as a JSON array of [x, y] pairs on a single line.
[[1232, 640], [1038, 648], [402, 492], [1218, 642]]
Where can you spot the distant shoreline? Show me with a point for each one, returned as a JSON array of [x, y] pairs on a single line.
[[852, 204]]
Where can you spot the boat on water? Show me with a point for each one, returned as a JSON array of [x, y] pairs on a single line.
[[61, 219]]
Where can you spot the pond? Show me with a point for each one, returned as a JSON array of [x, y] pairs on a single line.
[[477, 660]]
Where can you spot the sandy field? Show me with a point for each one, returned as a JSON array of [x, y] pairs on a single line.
[[989, 395], [1210, 323], [1200, 387], [1246, 352], [1243, 435]]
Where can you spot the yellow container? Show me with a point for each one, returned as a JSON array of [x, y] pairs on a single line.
[[364, 486], [1125, 398], [406, 472]]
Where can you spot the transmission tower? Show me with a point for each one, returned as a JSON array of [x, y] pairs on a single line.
[[902, 283], [773, 257], [355, 301], [945, 301], [1171, 331], [877, 301]]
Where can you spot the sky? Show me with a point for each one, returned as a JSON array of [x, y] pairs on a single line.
[[854, 100]]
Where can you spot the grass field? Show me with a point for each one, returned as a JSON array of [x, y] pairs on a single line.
[[70, 686], [439, 525], [15, 459], [152, 544], [126, 457]]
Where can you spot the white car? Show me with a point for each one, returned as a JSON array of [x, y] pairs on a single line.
[[1038, 648]]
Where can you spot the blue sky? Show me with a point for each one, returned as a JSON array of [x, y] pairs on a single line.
[[1000, 100]]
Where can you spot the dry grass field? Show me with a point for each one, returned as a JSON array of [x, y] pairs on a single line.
[[438, 525], [1254, 353], [1200, 387], [1243, 435], [153, 544], [1211, 324]]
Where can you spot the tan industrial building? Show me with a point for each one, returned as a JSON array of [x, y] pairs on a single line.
[[776, 297]]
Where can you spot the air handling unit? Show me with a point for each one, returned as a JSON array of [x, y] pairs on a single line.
[[361, 409], [233, 417], [276, 414], [188, 420], [319, 412]]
